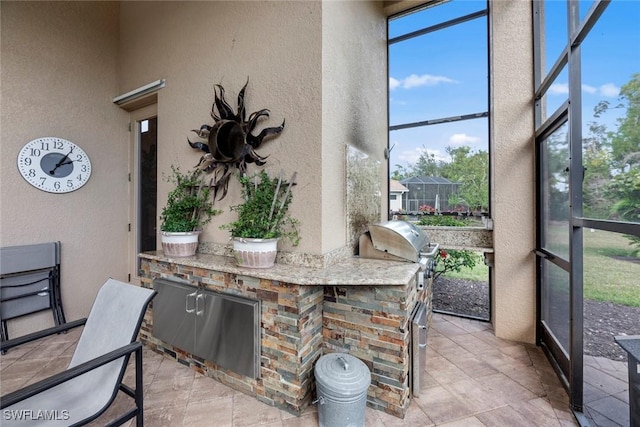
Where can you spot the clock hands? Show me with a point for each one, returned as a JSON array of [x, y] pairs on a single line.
[[63, 161]]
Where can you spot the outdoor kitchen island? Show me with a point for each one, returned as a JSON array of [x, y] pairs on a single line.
[[359, 306]]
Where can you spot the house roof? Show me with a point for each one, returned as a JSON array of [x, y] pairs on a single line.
[[426, 180], [397, 187]]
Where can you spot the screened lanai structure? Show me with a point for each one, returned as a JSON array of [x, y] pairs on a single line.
[[431, 193]]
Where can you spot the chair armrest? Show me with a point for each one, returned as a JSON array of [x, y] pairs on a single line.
[[6, 345], [47, 383]]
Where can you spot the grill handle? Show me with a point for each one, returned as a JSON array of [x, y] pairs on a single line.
[[432, 253]]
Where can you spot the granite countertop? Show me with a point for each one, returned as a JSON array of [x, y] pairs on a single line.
[[350, 272]]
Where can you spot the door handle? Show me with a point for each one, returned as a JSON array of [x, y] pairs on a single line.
[[186, 308], [200, 297]]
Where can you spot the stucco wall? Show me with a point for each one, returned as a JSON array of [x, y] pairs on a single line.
[[194, 45], [58, 79], [354, 113], [513, 178]]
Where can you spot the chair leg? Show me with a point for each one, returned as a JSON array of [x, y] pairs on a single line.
[[4, 334], [139, 390], [57, 297]]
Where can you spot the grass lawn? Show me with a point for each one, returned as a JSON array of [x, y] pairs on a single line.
[[479, 273], [611, 270]]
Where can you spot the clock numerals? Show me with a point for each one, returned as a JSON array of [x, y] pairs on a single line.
[[54, 165]]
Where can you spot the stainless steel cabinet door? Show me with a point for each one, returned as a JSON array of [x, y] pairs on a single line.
[[228, 332], [174, 319]]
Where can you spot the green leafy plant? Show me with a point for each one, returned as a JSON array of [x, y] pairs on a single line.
[[454, 260], [443, 220], [264, 214], [189, 205]]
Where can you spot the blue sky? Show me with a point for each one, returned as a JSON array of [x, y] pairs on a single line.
[[444, 73]]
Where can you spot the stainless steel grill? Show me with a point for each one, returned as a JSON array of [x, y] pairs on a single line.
[[402, 241], [399, 241]]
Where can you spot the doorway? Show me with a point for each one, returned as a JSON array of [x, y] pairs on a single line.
[[143, 186]]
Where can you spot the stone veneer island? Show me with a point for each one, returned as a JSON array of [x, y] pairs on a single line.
[[359, 306]]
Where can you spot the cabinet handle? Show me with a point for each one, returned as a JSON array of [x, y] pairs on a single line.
[[199, 312], [186, 308]]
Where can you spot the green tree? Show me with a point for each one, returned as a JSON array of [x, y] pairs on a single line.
[[471, 169], [624, 189], [427, 165], [597, 173], [625, 142], [400, 173]]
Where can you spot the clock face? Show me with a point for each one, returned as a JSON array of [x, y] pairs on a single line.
[[54, 165]]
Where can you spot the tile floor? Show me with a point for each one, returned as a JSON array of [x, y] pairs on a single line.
[[606, 392], [474, 379]]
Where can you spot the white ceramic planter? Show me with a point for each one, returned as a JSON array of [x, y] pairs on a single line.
[[255, 253], [176, 244]]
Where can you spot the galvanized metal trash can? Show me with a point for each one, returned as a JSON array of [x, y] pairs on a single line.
[[341, 385]]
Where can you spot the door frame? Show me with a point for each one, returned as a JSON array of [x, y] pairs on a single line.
[[135, 117]]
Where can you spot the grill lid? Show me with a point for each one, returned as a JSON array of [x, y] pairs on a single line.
[[399, 238]]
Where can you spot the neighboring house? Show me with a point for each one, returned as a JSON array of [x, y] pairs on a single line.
[[396, 192], [433, 191]]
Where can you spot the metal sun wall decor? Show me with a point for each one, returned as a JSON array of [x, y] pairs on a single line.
[[230, 142]]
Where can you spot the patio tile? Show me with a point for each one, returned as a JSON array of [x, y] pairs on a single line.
[[415, 417], [165, 417], [218, 412], [503, 416], [247, 411], [445, 372], [475, 395], [205, 388], [471, 365], [604, 381], [503, 386], [471, 343], [611, 408], [309, 417], [465, 422], [538, 412], [168, 393], [505, 383], [442, 406]]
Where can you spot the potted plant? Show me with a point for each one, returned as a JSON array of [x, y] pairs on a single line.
[[263, 218], [189, 207]]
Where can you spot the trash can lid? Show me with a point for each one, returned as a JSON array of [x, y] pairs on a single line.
[[342, 374]]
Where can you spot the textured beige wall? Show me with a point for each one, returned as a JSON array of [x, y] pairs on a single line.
[[194, 45], [58, 79], [513, 179], [354, 109]]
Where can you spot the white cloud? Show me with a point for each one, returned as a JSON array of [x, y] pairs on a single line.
[[609, 90], [463, 139], [415, 80], [411, 156], [559, 89]]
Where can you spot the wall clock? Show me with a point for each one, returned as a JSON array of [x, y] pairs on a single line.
[[54, 165]]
